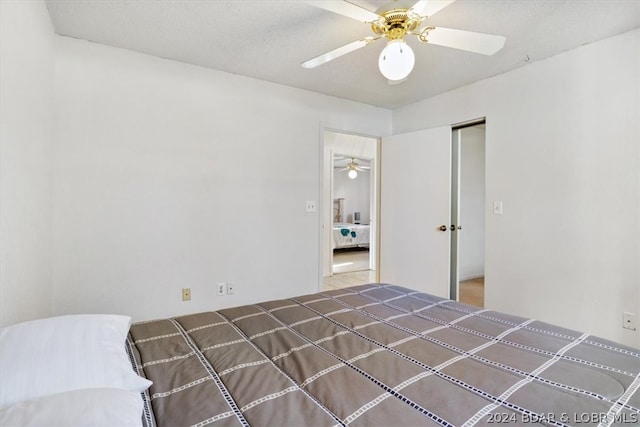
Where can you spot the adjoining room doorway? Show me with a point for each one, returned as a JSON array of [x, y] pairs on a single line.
[[350, 254]]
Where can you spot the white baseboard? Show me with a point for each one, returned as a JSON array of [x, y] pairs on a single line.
[[470, 276]]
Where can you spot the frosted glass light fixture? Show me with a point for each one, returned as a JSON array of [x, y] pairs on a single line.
[[352, 173], [396, 60]]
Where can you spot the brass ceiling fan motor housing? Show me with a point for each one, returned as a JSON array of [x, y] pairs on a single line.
[[396, 23]]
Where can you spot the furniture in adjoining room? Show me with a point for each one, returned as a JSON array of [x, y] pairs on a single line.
[[338, 210], [347, 235]]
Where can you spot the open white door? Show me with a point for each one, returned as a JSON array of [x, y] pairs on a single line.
[[414, 203]]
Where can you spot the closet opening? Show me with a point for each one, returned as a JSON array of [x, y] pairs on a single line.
[[468, 207]]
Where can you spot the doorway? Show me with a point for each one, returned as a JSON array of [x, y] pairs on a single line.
[[349, 252]]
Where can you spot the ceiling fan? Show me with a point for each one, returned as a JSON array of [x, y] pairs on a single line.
[[394, 22], [353, 168]]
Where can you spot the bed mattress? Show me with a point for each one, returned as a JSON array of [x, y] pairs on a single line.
[[379, 355], [350, 235]]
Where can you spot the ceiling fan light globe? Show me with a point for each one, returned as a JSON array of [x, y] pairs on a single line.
[[352, 174], [396, 60]]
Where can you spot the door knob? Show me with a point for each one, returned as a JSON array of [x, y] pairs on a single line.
[[453, 227], [442, 228]]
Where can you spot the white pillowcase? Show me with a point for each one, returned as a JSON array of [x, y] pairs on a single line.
[[65, 353], [90, 407]]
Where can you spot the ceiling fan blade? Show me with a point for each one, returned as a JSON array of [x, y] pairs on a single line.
[[347, 9], [338, 52], [430, 7], [485, 44]]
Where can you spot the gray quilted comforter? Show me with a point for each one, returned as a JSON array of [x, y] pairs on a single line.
[[379, 355]]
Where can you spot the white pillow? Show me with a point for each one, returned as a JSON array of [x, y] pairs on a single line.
[[90, 407], [65, 353]]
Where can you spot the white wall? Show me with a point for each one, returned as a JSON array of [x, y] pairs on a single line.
[[472, 203], [168, 175], [562, 154], [355, 192], [26, 117]]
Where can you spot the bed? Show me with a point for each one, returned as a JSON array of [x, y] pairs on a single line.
[[347, 235], [378, 355]]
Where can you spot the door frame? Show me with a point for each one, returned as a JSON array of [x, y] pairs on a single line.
[[326, 203]]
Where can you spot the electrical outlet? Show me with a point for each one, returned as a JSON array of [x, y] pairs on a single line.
[[230, 289], [629, 321], [186, 294], [222, 288], [311, 206]]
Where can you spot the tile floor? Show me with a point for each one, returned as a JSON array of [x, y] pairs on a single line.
[[343, 280], [350, 268]]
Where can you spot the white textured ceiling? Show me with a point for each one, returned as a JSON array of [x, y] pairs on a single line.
[[268, 39]]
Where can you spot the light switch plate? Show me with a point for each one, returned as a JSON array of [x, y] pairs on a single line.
[[497, 207]]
